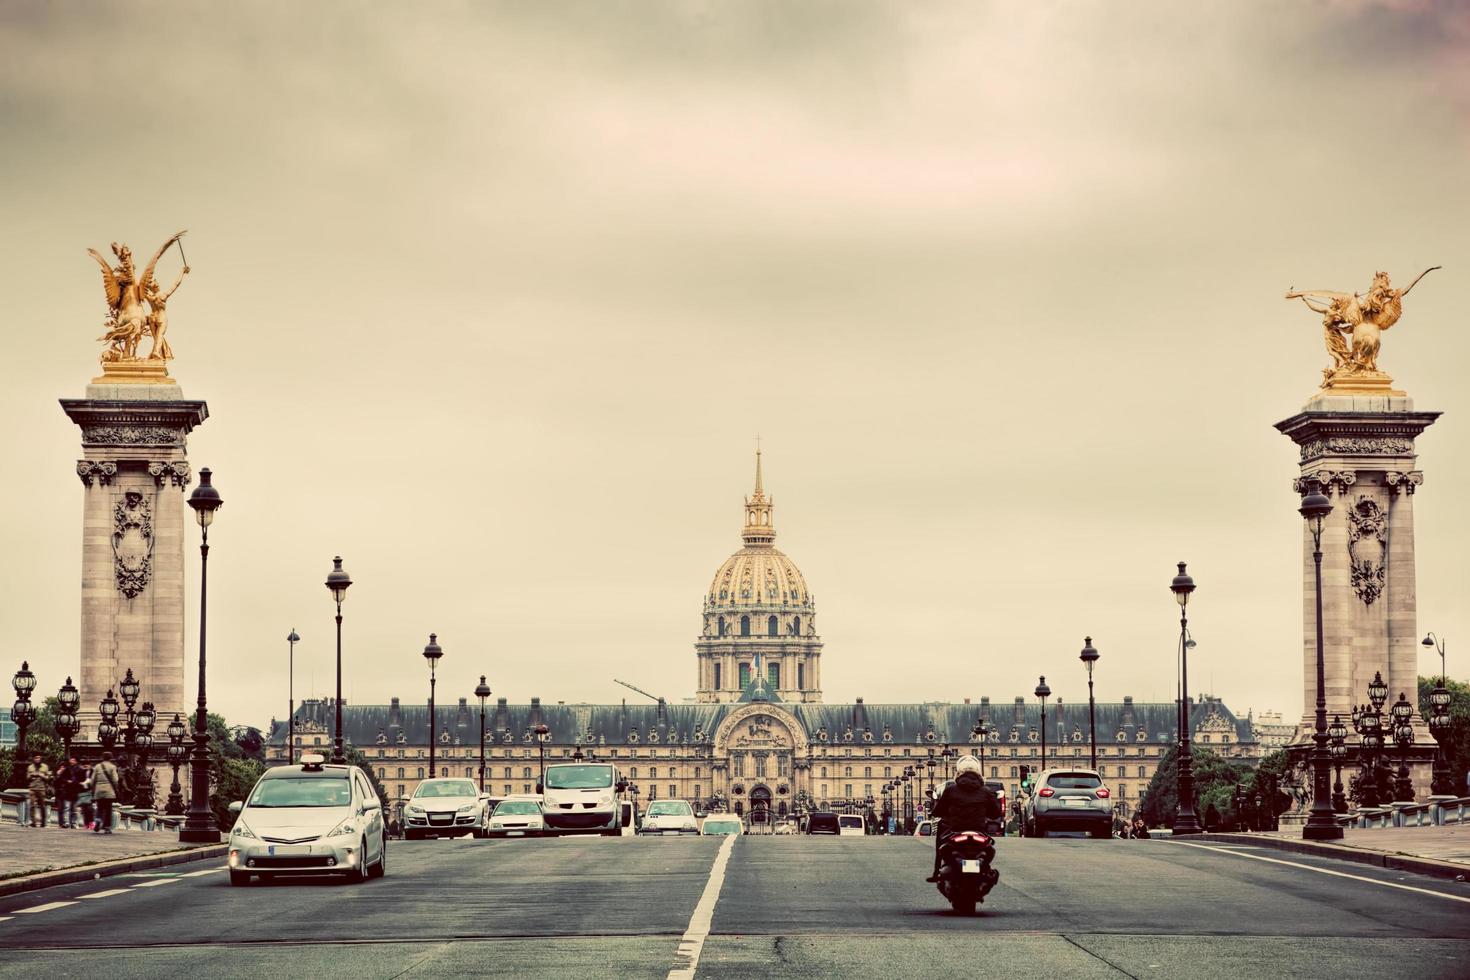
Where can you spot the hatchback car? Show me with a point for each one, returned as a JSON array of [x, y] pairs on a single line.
[[444, 807], [669, 818], [721, 826], [517, 818], [1068, 799], [309, 819]]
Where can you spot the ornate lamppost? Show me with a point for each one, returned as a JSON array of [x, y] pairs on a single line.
[[291, 640], [1089, 656], [68, 700], [1185, 819], [129, 688], [177, 753], [432, 652], [22, 713], [142, 742], [1402, 714], [1322, 823], [1440, 724], [1042, 693], [337, 583], [983, 733], [199, 826], [1368, 721], [542, 734], [107, 727], [482, 692], [1337, 748], [931, 764]]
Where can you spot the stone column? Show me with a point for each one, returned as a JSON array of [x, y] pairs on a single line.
[[135, 474]]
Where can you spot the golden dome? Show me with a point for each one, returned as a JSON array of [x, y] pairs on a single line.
[[758, 575]]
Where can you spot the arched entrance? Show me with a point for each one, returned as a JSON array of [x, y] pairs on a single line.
[[760, 804]]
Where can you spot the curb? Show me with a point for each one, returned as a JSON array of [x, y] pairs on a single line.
[[106, 869], [1341, 852]]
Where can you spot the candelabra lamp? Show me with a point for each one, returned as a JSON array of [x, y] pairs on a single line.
[[1402, 714], [1337, 749], [178, 754]]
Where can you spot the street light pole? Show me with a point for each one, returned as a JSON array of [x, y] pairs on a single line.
[[1402, 714], [1043, 692], [337, 583], [1322, 824], [23, 713], [432, 652], [541, 734], [199, 826], [1337, 747], [1443, 783], [482, 692], [68, 699], [1185, 819], [177, 753], [291, 640], [1089, 656]]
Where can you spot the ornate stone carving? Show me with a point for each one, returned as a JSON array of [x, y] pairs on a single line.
[[132, 543], [1403, 482], [1330, 480], [1356, 446], [176, 472], [102, 472], [1367, 525], [132, 435]]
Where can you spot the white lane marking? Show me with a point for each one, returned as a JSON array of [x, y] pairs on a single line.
[[206, 871], [691, 944], [43, 908], [156, 883], [1327, 871], [107, 894], [4, 918]]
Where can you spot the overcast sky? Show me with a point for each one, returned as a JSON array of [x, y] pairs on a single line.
[[493, 300]]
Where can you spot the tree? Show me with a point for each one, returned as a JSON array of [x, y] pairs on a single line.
[[355, 757], [1457, 744], [1215, 779]]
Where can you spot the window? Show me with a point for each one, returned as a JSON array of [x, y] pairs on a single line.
[[696, 791], [317, 740], [382, 772], [796, 625], [526, 789], [443, 771], [673, 791], [781, 765], [633, 773], [507, 789], [867, 772], [696, 772], [469, 771], [400, 789], [744, 675], [744, 625], [773, 673], [507, 775], [526, 772], [995, 772], [824, 775], [400, 774], [421, 772], [847, 790], [1015, 772], [1142, 772], [717, 676], [887, 772], [653, 772], [771, 626], [847, 771], [801, 676]]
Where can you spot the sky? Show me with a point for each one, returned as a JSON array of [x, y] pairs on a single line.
[[493, 300]]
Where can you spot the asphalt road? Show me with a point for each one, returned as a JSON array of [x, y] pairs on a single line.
[[782, 906]]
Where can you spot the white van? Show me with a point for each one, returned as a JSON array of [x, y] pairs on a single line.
[[581, 798], [851, 825]]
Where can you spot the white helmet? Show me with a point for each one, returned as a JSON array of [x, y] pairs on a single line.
[[967, 763]]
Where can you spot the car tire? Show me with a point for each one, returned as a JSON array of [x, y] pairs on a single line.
[[359, 873], [381, 868], [1102, 833], [239, 878], [1037, 830]]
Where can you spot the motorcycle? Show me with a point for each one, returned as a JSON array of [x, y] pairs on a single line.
[[965, 874]]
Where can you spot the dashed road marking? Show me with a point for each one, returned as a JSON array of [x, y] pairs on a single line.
[[43, 908], [107, 894], [1328, 871], [691, 944], [206, 871], [155, 884]]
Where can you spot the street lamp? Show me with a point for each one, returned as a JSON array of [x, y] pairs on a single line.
[[542, 734], [177, 753], [931, 764], [1089, 657], [982, 732], [1439, 724], [1322, 824], [129, 688], [199, 827], [1402, 714], [337, 583], [432, 652], [1368, 721], [291, 640], [143, 741], [22, 713], [482, 692], [1337, 748], [107, 727], [1185, 819], [68, 700], [1042, 693]]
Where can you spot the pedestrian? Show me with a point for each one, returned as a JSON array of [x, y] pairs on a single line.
[[106, 781], [69, 779], [38, 780]]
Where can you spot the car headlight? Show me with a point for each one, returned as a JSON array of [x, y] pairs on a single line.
[[607, 800], [497, 823], [467, 808], [242, 831], [414, 808], [343, 829]]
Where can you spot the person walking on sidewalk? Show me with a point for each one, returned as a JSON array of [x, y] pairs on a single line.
[[106, 781], [38, 780], [69, 779]]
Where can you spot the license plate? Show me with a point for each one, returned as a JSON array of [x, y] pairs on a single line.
[[290, 850], [1074, 801], [515, 833], [970, 866], [671, 833]]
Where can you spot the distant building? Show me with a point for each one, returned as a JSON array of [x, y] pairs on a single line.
[[1272, 731]]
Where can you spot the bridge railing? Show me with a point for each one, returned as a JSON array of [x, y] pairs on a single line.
[[1436, 812]]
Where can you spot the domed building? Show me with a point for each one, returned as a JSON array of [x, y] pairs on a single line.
[[759, 640]]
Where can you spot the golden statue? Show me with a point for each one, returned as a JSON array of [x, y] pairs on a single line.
[[1360, 319], [126, 293]]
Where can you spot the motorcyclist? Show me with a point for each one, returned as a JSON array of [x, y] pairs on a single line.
[[966, 804]]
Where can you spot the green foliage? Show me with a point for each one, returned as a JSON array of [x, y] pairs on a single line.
[[1457, 745], [1215, 779]]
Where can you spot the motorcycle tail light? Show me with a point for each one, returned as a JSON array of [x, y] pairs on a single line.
[[1103, 793], [1047, 791]]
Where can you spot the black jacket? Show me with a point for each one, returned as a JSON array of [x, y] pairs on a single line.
[[966, 804]]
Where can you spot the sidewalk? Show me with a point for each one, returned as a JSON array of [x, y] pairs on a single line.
[[1442, 851], [27, 850]]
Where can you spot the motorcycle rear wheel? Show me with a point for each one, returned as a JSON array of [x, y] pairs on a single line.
[[963, 906]]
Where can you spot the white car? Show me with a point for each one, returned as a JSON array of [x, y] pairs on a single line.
[[444, 807], [306, 820], [851, 825], [669, 818], [517, 817]]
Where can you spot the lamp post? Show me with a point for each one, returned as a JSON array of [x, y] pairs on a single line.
[[291, 640], [177, 753], [1402, 714], [1368, 720], [22, 713], [143, 741], [482, 692], [432, 652], [982, 732], [1443, 783], [1185, 819], [1322, 824], [1089, 657], [107, 727], [931, 764], [68, 700], [1337, 748], [199, 826], [338, 582], [542, 734], [1042, 693]]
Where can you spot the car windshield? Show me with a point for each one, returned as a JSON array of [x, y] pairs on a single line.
[[302, 791], [1074, 780], [517, 807], [670, 808], [579, 777], [445, 787]]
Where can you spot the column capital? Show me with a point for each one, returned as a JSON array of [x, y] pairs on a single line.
[[102, 472]]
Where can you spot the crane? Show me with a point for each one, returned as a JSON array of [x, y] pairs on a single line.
[[640, 690]]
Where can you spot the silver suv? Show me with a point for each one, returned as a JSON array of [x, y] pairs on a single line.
[[1068, 799]]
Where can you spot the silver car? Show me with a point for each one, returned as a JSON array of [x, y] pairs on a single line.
[[445, 808], [1068, 799], [669, 818], [517, 817], [309, 819]]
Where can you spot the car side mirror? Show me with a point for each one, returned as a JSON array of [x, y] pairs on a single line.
[[368, 806], [236, 807]]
